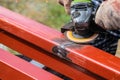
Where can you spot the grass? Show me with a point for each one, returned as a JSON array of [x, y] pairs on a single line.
[[49, 13]]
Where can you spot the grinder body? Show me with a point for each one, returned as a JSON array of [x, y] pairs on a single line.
[[80, 29]]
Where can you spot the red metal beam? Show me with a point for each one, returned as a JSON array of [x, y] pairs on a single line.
[[14, 68], [36, 53], [92, 59]]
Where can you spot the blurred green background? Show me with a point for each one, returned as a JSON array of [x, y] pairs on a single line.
[[48, 12]]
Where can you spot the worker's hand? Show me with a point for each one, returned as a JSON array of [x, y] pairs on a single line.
[[108, 15], [66, 4]]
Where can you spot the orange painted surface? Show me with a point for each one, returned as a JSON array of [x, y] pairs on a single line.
[[34, 40], [64, 67], [14, 68]]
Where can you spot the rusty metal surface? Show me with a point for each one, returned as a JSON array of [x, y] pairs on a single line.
[[14, 68], [102, 64]]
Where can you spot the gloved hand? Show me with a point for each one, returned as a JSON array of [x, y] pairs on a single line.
[[108, 15], [66, 4]]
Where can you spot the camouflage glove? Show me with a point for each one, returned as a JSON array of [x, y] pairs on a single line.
[[108, 15]]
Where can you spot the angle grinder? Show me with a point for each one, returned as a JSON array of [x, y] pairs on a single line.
[[82, 27]]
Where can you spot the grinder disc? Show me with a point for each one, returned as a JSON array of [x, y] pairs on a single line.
[[79, 39]]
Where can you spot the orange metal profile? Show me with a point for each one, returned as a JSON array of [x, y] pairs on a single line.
[[14, 68], [91, 59], [36, 53]]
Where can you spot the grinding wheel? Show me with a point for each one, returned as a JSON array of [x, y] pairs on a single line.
[[79, 39]]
